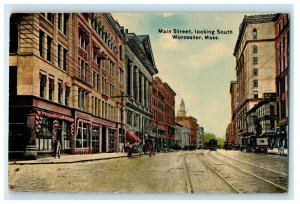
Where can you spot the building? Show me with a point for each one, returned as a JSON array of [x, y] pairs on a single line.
[[281, 28], [140, 68], [163, 111], [255, 66], [230, 132], [65, 82], [261, 120], [183, 135], [189, 122]]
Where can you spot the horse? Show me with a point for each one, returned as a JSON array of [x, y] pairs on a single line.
[[148, 147]]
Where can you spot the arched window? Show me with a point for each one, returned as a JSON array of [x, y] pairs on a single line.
[[254, 49], [254, 34]]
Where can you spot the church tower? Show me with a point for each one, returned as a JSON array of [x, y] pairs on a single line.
[[181, 112]]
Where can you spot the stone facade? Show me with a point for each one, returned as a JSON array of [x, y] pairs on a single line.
[[140, 68]]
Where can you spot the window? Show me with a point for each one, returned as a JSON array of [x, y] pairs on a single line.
[[48, 16], [95, 138], [255, 60], [95, 80], [103, 85], [120, 52], [255, 83], [121, 76], [43, 81], [65, 23], [49, 42], [65, 53], [44, 136], [66, 135], [41, 43], [255, 72], [254, 34], [51, 88], [255, 93], [82, 135], [60, 91], [81, 99], [111, 140], [83, 39], [254, 49], [83, 69], [59, 55], [111, 68], [67, 95], [282, 85]]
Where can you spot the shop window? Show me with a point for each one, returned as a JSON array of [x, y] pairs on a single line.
[[82, 135], [66, 135], [44, 136], [95, 138], [111, 140]]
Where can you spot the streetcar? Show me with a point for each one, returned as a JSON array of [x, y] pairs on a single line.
[[212, 145]]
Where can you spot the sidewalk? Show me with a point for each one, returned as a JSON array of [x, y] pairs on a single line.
[[71, 158], [284, 152]]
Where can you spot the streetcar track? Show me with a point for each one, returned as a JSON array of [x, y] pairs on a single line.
[[219, 175], [254, 175], [277, 172], [187, 176]]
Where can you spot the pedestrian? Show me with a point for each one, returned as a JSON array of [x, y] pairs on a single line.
[[57, 148]]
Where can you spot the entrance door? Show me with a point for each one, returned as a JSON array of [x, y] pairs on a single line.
[[104, 147]]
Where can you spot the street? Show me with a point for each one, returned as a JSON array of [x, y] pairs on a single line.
[[199, 171]]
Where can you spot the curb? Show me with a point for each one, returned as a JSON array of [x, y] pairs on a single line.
[[65, 162]]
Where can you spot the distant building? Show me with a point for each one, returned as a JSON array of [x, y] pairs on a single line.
[[183, 135], [189, 122], [163, 111]]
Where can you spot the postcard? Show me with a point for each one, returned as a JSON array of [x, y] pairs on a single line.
[[168, 103]]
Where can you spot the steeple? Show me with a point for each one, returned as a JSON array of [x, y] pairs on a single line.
[[181, 112]]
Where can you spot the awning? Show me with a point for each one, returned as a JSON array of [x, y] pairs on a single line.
[[131, 137], [160, 127]]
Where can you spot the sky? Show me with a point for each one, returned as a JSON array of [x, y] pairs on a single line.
[[199, 71]]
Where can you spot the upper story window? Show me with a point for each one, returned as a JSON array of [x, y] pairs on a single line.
[[254, 34], [51, 88], [255, 49], [120, 52], [67, 95], [41, 43], [43, 81], [255, 83], [60, 92], [82, 68], [83, 38], [255, 60], [48, 16], [63, 23], [95, 80], [255, 71], [111, 67], [49, 46]]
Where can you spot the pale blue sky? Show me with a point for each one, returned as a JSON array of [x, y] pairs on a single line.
[[199, 71]]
